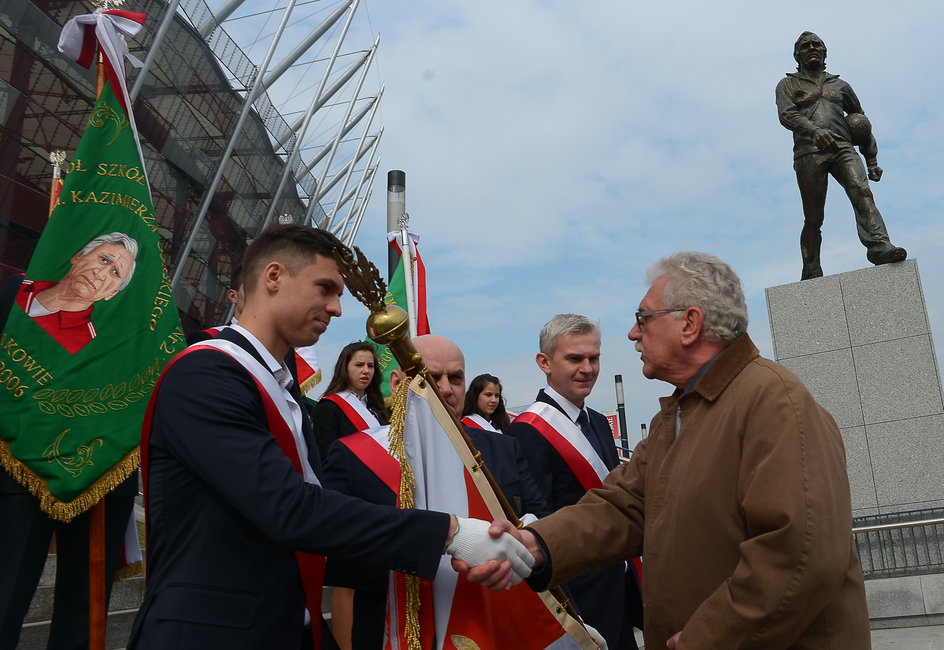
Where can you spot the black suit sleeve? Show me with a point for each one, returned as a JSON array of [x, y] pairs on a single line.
[[345, 473], [553, 477], [329, 424], [208, 416]]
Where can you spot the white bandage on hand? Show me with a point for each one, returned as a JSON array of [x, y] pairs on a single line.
[[472, 544]]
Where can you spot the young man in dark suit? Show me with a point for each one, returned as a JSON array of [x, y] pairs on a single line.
[[235, 508], [570, 450]]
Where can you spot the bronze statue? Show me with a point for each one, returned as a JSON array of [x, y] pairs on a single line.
[[827, 123]]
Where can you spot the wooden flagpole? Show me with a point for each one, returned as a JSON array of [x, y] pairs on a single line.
[[97, 605]]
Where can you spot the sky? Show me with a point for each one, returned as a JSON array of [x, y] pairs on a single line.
[[554, 150]]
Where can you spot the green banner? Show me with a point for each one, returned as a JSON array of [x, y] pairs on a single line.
[[396, 295], [93, 326]]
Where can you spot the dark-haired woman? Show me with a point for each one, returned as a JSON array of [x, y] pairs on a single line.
[[484, 406], [353, 401]]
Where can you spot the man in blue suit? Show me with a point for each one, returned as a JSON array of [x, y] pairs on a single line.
[[235, 507], [570, 450]]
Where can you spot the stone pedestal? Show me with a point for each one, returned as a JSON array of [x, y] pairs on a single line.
[[861, 342]]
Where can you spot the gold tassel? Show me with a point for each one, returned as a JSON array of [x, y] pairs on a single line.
[[397, 442]]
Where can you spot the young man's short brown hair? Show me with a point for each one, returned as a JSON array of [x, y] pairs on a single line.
[[292, 245]]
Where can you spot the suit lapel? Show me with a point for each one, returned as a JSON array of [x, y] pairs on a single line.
[[314, 458]]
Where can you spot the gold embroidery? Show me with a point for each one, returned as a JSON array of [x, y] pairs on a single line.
[[463, 642], [76, 463], [103, 113]]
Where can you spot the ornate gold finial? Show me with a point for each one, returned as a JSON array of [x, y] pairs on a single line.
[[57, 157], [106, 5], [362, 278], [387, 324]]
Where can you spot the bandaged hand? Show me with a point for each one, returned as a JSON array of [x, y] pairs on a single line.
[[473, 545]]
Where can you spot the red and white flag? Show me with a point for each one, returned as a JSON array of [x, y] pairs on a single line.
[[453, 612], [309, 370]]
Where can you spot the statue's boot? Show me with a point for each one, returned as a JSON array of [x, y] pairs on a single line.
[[887, 255], [811, 271]]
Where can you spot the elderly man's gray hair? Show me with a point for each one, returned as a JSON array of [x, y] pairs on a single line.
[[702, 280], [564, 324], [121, 239]]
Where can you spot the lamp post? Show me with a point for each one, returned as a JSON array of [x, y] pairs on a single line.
[[396, 206], [621, 414]]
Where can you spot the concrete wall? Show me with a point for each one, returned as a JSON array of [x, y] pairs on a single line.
[[861, 342]]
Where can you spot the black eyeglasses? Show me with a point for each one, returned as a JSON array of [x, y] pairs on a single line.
[[642, 317]]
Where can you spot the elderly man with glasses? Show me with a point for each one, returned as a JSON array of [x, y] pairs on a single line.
[[738, 500]]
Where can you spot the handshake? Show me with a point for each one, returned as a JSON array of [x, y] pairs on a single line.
[[500, 554]]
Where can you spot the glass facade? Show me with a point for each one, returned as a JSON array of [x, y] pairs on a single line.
[[186, 112]]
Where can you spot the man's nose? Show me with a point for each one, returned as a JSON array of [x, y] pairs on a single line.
[[634, 333], [334, 306], [444, 386]]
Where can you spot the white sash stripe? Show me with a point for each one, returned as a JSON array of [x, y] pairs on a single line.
[[482, 422], [361, 408], [571, 433], [271, 386]]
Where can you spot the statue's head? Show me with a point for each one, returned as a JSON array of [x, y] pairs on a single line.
[[809, 51]]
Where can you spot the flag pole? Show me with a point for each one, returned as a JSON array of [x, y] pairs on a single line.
[[96, 522], [409, 276]]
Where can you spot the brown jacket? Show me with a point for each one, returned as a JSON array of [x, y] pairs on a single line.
[[746, 515]]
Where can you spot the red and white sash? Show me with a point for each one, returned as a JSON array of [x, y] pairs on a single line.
[[354, 410], [311, 568], [476, 421], [371, 448], [567, 440]]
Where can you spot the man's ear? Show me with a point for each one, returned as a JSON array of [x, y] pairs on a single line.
[[272, 276], [544, 362], [396, 376], [693, 322], [110, 296]]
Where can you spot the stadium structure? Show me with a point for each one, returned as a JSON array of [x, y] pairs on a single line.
[[231, 144]]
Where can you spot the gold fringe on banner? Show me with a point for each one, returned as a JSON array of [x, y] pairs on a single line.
[[395, 436], [129, 571], [67, 510], [311, 382]]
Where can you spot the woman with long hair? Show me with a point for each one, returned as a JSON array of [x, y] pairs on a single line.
[[353, 401], [484, 405]]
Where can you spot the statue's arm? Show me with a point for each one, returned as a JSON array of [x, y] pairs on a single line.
[[793, 118], [790, 116], [869, 149]]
